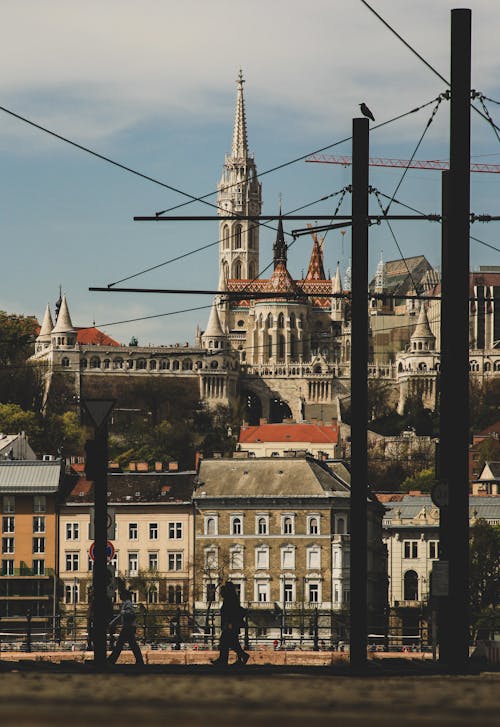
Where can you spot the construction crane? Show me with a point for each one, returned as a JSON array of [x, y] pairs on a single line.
[[402, 163]]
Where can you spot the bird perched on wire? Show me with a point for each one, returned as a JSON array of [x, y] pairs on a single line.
[[366, 111]]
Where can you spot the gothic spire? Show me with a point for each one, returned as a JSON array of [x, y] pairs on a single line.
[[47, 325], [279, 247], [316, 270], [240, 144], [63, 323]]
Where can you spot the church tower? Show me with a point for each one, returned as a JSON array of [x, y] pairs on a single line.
[[239, 192]]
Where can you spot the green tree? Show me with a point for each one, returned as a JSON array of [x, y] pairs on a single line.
[[484, 576], [14, 419], [20, 382], [423, 481], [488, 451]]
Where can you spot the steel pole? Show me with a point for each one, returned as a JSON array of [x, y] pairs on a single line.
[[101, 538], [359, 393], [454, 432]]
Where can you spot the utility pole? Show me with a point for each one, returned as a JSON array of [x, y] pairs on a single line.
[[359, 393], [454, 379], [96, 469]]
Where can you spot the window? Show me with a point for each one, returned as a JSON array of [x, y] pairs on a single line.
[[211, 558], [133, 564], [210, 526], [210, 592], [313, 593], [236, 558], [313, 528], [39, 524], [152, 594], [133, 531], [287, 525], [153, 531], [39, 545], [38, 567], [262, 592], [433, 549], [174, 594], [411, 586], [262, 557], [71, 593], [340, 529], [9, 503], [39, 503], [7, 567], [153, 561], [72, 561], [8, 524], [175, 561], [288, 558], [262, 631], [287, 630], [175, 530], [262, 526], [72, 531], [314, 558], [287, 592], [236, 526], [410, 549]]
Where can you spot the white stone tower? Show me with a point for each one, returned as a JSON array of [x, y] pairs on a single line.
[[239, 192]]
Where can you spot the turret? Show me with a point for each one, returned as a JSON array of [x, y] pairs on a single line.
[[63, 334], [214, 338], [422, 338], [43, 338]]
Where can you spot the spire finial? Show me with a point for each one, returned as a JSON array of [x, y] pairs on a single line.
[[240, 145]]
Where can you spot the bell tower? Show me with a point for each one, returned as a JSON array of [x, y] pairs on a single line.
[[239, 192]]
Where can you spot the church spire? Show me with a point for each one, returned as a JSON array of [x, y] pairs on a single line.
[[279, 247], [316, 271], [240, 143]]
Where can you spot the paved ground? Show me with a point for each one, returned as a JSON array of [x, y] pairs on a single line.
[[43, 695]]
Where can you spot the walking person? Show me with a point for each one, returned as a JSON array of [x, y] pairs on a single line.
[[231, 616], [127, 633]]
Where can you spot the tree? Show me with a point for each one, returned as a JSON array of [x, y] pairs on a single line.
[[13, 419], [488, 451], [423, 481], [484, 576], [379, 399]]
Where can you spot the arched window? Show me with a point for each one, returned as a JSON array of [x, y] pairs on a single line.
[[270, 347], [281, 321], [152, 365], [422, 366], [187, 365], [141, 364], [106, 364], [487, 366], [251, 271], [164, 364], [236, 526], [474, 366], [175, 365], [65, 362], [411, 586], [83, 363], [340, 526], [225, 237], [293, 346], [262, 526], [269, 320], [281, 347], [292, 320], [210, 526], [251, 237], [313, 526], [287, 526], [152, 594], [118, 363], [95, 362], [496, 366], [237, 270], [237, 237]]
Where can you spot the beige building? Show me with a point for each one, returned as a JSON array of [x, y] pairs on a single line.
[[152, 536], [279, 529], [321, 440]]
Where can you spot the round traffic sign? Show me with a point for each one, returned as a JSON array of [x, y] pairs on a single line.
[[110, 550]]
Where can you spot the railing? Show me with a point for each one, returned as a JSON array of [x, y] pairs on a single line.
[[28, 572]]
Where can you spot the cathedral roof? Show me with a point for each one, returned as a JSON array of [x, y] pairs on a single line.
[[92, 336], [63, 324], [423, 329], [316, 270], [337, 281], [240, 144], [47, 325], [281, 281], [214, 328]]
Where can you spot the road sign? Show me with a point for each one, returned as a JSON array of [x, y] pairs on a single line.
[[110, 523], [98, 410], [110, 551], [439, 494]]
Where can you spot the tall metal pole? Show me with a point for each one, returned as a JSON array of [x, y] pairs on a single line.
[[359, 393], [454, 433], [101, 539]]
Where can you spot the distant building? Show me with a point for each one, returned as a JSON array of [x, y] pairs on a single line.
[[319, 439], [15, 446], [279, 529], [411, 534], [488, 482], [29, 492], [152, 539]]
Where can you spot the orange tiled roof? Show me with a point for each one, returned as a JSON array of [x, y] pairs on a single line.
[[290, 433], [93, 336]]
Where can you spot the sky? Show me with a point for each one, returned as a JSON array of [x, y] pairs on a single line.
[[151, 85]]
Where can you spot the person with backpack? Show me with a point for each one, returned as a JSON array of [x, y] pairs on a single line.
[[127, 633], [232, 619]]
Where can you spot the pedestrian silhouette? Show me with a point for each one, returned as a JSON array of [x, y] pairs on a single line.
[[231, 617], [366, 111], [127, 633]]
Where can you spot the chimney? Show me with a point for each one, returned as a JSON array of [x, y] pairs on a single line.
[[262, 420], [142, 467], [158, 466], [132, 466], [173, 466]]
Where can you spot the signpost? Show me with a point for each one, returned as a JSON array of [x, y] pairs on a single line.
[[110, 551]]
